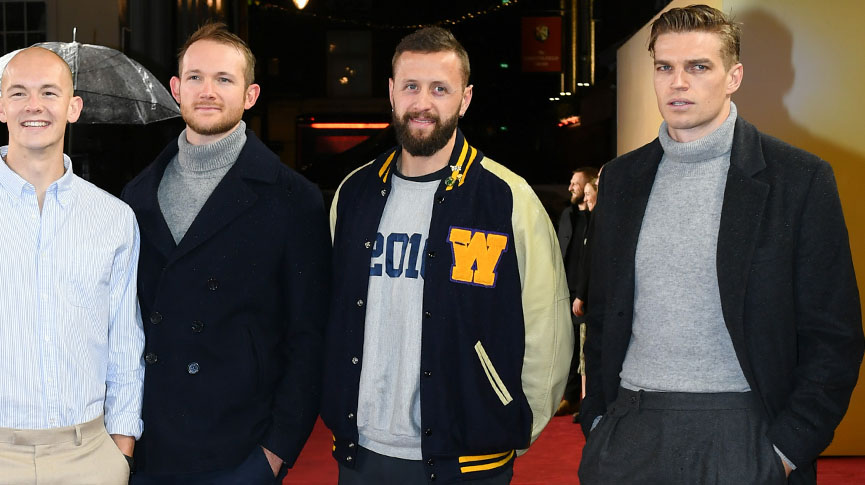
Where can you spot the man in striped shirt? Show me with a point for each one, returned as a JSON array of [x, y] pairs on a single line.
[[71, 338]]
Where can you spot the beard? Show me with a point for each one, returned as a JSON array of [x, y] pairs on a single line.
[[224, 124], [577, 199], [428, 145]]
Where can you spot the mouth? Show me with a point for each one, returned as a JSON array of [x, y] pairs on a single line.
[[34, 124], [207, 107], [677, 103]]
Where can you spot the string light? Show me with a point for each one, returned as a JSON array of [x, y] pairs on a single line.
[[372, 25]]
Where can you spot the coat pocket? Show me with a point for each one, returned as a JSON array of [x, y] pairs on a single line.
[[493, 376]]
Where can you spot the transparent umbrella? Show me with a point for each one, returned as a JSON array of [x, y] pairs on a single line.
[[115, 88]]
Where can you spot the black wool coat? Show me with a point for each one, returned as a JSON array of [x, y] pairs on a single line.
[[233, 316], [785, 274]]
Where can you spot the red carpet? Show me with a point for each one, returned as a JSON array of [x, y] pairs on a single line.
[[553, 459]]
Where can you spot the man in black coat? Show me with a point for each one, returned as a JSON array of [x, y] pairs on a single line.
[[233, 285], [724, 332], [571, 231]]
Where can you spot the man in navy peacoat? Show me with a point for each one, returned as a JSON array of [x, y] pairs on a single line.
[[233, 286]]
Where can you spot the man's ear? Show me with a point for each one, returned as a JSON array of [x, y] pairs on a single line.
[[735, 78], [76, 104], [390, 91], [467, 99], [175, 88], [252, 92]]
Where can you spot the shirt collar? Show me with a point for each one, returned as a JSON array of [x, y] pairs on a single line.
[[60, 189]]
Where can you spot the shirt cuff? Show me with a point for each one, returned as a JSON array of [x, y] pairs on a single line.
[[124, 424], [784, 458], [596, 421]]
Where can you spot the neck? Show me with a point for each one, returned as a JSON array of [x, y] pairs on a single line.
[[40, 168], [198, 139], [414, 166], [582, 206]]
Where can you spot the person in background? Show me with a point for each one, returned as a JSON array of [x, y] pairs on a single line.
[[572, 228], [724, 328], [71, 340], [234, 278]]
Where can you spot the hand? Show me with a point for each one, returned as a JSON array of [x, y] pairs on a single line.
[[125, 443], [787, 469], [275, 461], [578, 307]]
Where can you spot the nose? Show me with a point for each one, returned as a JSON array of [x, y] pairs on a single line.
[[679, 80], [34, 105], [424, 101], [206, 89]]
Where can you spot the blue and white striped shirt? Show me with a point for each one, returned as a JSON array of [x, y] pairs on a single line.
[[71, 337]]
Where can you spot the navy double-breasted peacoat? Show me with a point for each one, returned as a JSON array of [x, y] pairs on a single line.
[[233, 315]]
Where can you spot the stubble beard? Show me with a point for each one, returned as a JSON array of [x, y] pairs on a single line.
[[428, 145], [219, 126]]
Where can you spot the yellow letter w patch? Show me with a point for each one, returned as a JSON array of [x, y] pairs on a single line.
[[476, 255]]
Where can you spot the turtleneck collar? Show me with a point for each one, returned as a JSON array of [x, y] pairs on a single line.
[[711, 146], [212, 156]]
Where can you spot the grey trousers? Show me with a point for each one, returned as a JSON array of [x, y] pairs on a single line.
[[375, 469], [681, 438]]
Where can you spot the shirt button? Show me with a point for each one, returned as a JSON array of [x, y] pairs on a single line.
[[150, 358], [355, 360], [197, 326], [367, 244], [155, 317], [428, 432], [212, 284], [359, 303], [193, 368], [47, 338]]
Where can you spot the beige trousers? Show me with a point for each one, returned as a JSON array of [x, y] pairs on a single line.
[[83, 454]]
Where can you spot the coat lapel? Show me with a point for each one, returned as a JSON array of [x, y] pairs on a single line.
[[231, 197], [147, 211], [741, 217]]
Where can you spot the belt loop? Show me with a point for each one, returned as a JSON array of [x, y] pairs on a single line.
[[639, 399], [77, 435]]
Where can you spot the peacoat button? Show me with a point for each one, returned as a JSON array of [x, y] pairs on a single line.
[[430, 462], [212, 284], [155, 317], [431, 254], [440, 199], [359, 303], [432, 476], [193, 368], [427, 314], [621, 314], [348, 458], [197, 326], [150, 358], [350, 415], [383, 192], [355, 360], [427, 432], [427, 373], [367, 244], [350, 444]]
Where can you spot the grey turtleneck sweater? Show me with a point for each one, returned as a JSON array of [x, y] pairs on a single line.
[[680, 342], [192, 175]]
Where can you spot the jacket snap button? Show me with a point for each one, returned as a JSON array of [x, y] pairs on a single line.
[[155, 317], [193, 368], [150, 358]]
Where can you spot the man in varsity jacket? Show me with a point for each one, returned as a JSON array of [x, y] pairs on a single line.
[[449, 339]]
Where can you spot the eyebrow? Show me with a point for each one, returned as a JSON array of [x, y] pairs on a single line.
[[56, 87], [199, 71]]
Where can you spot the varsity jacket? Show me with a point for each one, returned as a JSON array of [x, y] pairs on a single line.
[[497, 336]]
